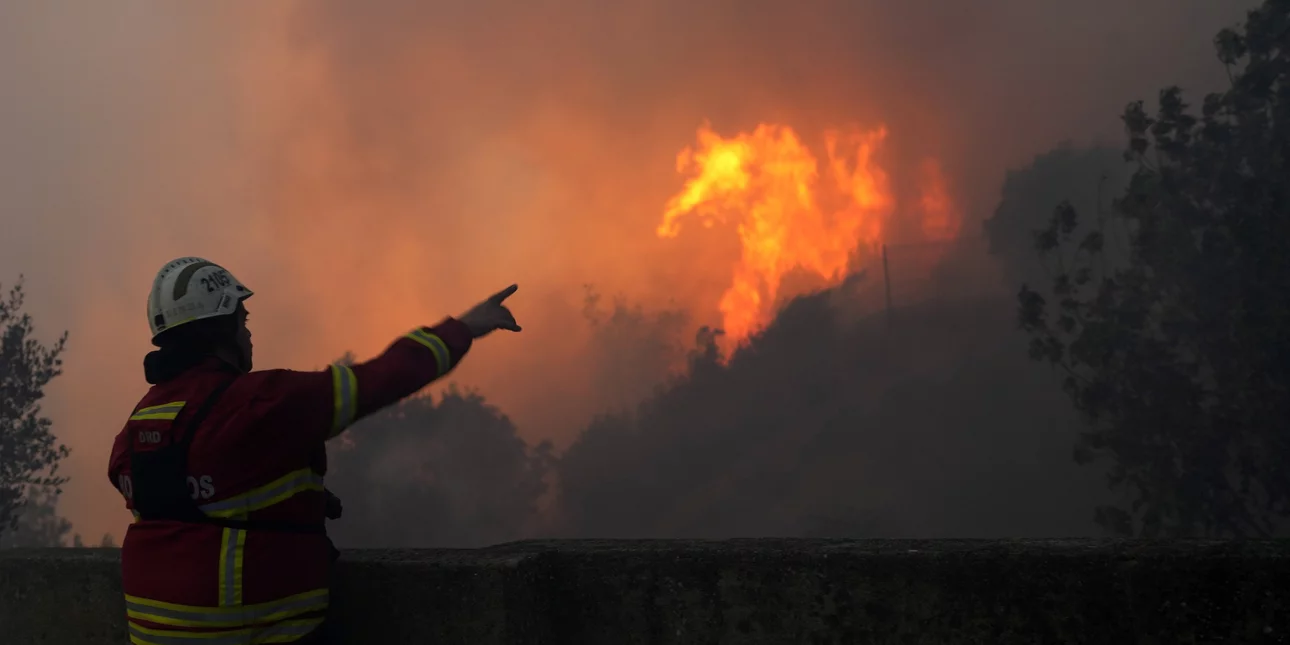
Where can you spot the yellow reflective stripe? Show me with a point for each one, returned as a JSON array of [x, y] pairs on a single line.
[[260, 498], [237, 617], [166, 613], [344, 398], [240, 560], [163, 412], [283, 632], [442, 356], [232, 546], [288, 631]]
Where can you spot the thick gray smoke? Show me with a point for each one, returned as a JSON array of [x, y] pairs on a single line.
[[371, 166]]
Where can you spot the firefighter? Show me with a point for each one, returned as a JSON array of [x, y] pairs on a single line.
[[223, 467]]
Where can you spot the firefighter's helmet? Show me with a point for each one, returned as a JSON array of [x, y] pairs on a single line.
[[189, 289]]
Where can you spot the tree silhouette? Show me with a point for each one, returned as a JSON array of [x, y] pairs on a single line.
[[29, 454], [830, 425], [1087, 178], [450, 474], [37, 522], [1179, 358]]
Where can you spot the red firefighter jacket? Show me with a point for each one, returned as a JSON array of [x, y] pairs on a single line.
[[258, 455]]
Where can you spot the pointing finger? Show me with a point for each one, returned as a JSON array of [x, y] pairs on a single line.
[[504, 293]]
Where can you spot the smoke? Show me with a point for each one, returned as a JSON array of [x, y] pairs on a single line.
[[429, 473], [367, 167], [934, 425]]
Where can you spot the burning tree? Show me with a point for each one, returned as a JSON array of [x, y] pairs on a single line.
[[29, 455], [1179, 356], [801, 214]]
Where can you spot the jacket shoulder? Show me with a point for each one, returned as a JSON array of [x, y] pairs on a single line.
[[280, 384], [297, 404], [278, 376]]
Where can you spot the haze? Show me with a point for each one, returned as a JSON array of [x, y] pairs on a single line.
[[368, 167]]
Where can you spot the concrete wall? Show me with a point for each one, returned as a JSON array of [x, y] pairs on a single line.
[[742, 591]]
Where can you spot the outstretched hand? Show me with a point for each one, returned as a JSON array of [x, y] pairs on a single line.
[[491, 314]]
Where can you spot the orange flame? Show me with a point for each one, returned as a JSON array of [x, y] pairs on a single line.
[[769, 182]]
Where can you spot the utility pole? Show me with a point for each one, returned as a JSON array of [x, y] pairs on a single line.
[[886, 279]]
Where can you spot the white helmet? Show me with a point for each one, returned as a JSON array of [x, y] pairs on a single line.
[[189, 289]]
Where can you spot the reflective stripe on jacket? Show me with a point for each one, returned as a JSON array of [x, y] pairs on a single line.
[[259, 455]]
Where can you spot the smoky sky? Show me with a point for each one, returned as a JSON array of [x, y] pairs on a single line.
[[367, 167]]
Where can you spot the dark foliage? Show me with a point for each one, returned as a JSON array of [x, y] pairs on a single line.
[[421, 474], [38, 523], [29, 453], [823, 425], [1179, 358], [1086, 178]]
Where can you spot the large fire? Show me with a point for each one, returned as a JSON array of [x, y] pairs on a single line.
[[769, 183]]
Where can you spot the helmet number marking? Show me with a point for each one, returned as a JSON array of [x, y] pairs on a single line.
[[216, 281]]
